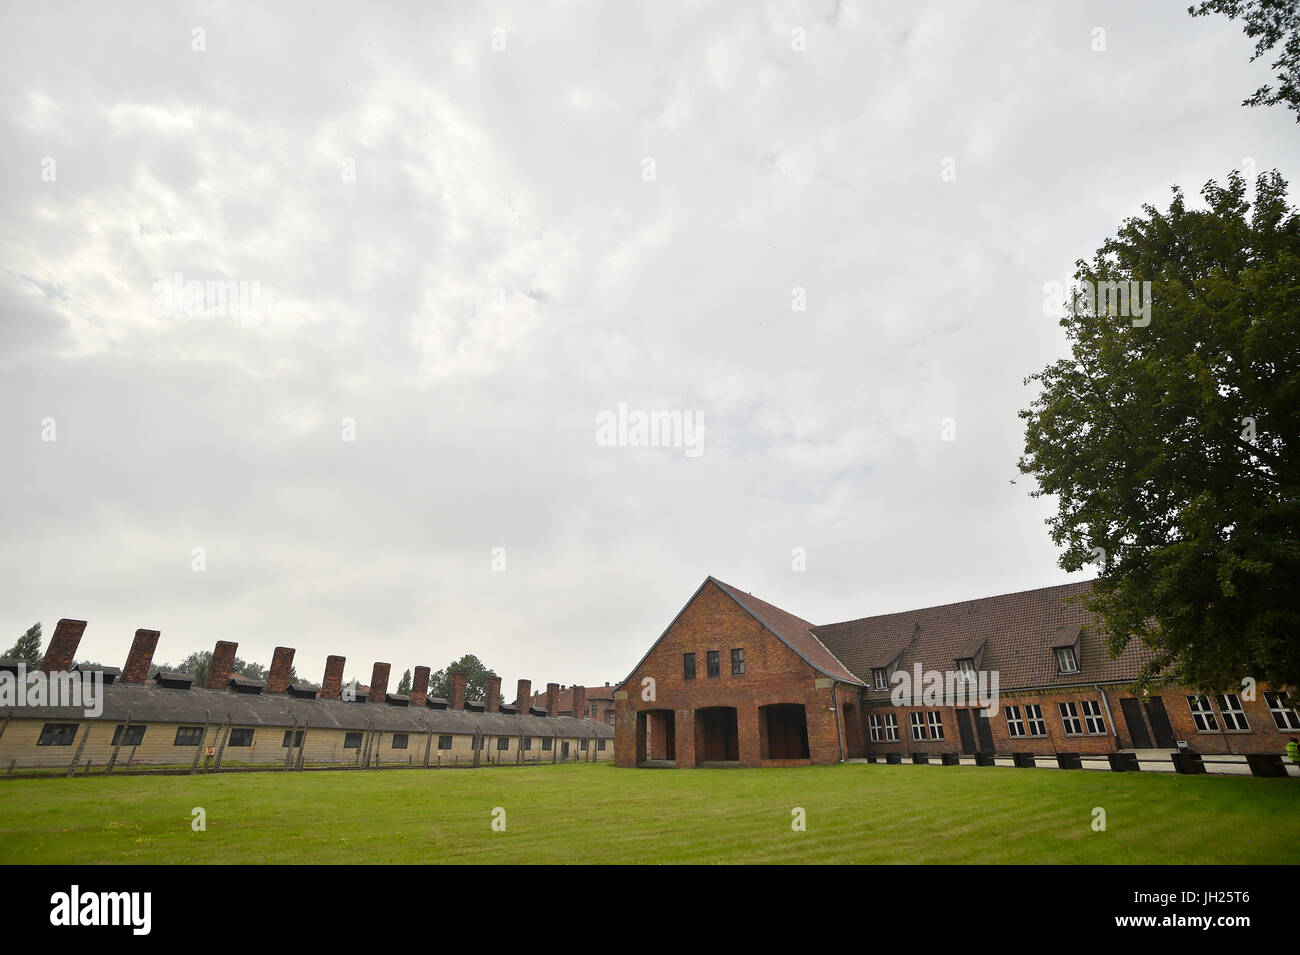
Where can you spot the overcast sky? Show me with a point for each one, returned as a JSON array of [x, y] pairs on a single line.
[[465, 231]]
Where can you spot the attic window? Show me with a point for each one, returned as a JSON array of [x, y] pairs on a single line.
[[967, 669], [1065, 657], [880, 678]]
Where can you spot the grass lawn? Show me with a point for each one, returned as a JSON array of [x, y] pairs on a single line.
[[600, 814]]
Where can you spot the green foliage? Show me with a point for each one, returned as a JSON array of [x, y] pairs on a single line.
[[1173, 447], [1268, 22], [28, 647], [197, 665], [404, 685], [476, 674]]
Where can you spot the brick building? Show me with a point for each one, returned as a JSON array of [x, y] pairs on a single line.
[[596, 702], [737, 681]]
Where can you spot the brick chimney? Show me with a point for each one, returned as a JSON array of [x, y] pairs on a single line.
[[458, 691], [552, 699], [140, 657], [579, 700], [277, 681], [223, 662], [420, 687], [525, 697], [493, 694], [379, 683], [331, 685], [63, 646]]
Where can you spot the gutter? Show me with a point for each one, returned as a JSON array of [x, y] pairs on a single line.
[[839, 725]]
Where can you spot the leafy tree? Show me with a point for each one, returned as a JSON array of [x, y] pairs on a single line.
[[476, 679], [1172, 447], [404, 685], [28, 647], [199, 663], [1268, 22]]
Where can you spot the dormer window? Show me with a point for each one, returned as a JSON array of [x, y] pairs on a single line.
[[1065, 657], [880, 678], [967, 669]]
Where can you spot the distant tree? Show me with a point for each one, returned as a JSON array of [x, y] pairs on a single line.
[[404, 685], [28, 647], [198, 664], [1268, 22], [475, 684]]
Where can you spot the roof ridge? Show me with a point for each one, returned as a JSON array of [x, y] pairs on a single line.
[[957, 603]]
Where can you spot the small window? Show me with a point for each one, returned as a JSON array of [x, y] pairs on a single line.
[[737, 662], [546, 744], [891, 727], [292, 738], [1234, 717], [600, 745], [935, 719], [57, 734], [133, 737], [582, 745], [918, 725], [1034, 717], [1279, 707], [688, 666], [967, 669], [880, 678], [1202, 713], [873, 721], [528, 744], [444, 742], [715, 664], [241, 737], [1092, 717], [503, 742], [352, 741], [1015, 723], [401, 740], [1065, 658], [188, 736], [1070, 719]]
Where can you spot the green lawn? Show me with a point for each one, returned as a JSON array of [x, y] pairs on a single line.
[[597, 813]]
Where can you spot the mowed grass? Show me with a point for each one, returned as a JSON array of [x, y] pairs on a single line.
[[601, 814]]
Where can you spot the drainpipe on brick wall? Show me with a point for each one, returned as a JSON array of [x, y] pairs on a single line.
[[1110, 718], [839, 726]]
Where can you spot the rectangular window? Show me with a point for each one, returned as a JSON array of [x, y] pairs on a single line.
[[528, 744], [1070, 719], [503, 742], [57, 734], [352, 741], [688, 666], [1065, 657], [476, 742], [1279, 706], [967, 670], [1234, 717], [546, 744], [444, 742], [583, 745], [1092, 717], [133, 737], [714, 662], [737, 662], [1015, 725], [188, 736], [1202, 713], [401, 740], [891, 727], [1034, 717], [874, 722], [935, 719], [240, 737], [293, 738], [918, 725], [880, 679], [600, 745]]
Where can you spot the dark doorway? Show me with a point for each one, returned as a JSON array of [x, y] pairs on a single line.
[[983, 731], [783, 731], [564, 751], [716, 737], [1160, 723], [852, 732], [656, 736], [964, 731], [1137, 729]]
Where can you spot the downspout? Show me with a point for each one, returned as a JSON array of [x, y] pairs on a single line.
[[839, 725], [1110, 718]]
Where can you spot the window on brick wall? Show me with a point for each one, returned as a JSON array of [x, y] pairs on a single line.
[[935, 720], [1070, 719], [1034, 717], [401, 740], [1279, 707], [188, 736], [1234, 717], [714, 663], [880, 678], [891, 727], [57, 734], [292, 738], [1092, 717], [352, 741], [737, 662], [873, 723], [1015, 723], [1202, 713], [444, 742], [918, 725], [133, 737], [240, 737], [688, 666]]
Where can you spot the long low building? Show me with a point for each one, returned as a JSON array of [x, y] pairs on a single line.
[[156, 718]]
